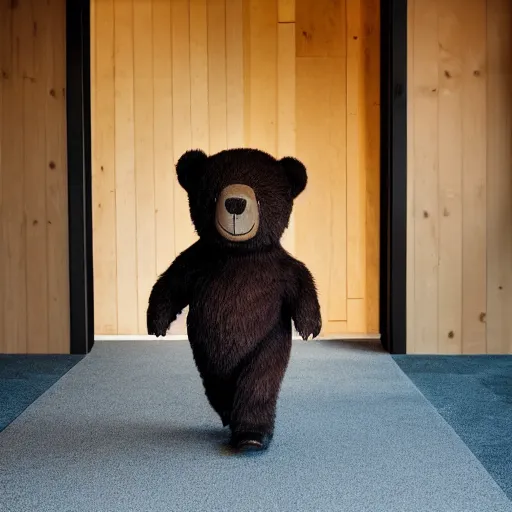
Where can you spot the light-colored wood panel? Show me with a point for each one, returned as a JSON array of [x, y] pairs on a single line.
[[321, 125], [261, 85], [33, 51], [451, 48], [286, 11], [371, 156], [286, 132], [356, 316], [499, 181], [34, 297], [320, 28], [5, 34], [217, 75], [199, 75], [356, 175], [144, 155], [165, 180], [13, 196], [184, 234], [474, 243], [126, 219], [411, 207], [57, 186], [103, 171], [256, 84], [425, 96], [474, 148], [235, 73]]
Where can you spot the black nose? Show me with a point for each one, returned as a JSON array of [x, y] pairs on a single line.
[[235, 205]]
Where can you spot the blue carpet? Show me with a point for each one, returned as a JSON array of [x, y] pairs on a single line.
[[474, 395], [23, 378], [129, 429]]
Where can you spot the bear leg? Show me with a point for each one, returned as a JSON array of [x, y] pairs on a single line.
[[220, 393], [257, 390]]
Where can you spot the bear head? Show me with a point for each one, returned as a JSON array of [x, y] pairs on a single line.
[[240, 197]]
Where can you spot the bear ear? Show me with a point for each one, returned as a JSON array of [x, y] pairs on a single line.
[[189, 167], [296, 172]]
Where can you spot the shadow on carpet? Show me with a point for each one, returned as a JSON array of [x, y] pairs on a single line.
[[474, 395], [24, 378]]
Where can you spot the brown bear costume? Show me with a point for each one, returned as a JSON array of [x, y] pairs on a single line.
[[242, 288]]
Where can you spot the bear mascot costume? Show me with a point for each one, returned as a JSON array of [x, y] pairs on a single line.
[[242, 288]]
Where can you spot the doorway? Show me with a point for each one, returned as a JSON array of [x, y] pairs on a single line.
[[291, 78]]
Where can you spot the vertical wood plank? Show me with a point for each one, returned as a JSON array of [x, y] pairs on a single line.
[[34, 53], [57, 185], [184, 234], [5, 33], [235, 73], [451, 31], [499, 182], [144, 156], [199, 75], [126, 220], [103, 173], [356, 178], [371, 153], [286, 131], [165, 180], [425, 135], [217, 75], [474, 123], [13, 197], [320, 28], [286, 11], [320, 210], [261, 87], [411, 220], [356, 316]]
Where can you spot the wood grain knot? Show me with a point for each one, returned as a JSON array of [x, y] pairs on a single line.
[[425, 214], [53, 93], [306, 35], [451, 335], [482, 317], [476, 72], [52, 165], [447, 74], [35, 222]]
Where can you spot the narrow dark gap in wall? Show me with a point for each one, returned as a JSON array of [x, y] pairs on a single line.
[[79, 176], [393, 175]]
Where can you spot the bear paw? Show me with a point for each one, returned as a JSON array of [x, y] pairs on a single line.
[[250, 441], [307, 327]]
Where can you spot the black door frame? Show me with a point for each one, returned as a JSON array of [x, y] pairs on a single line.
[[393, 175]]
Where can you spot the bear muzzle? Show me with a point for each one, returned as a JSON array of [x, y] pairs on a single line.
[[237, 214]]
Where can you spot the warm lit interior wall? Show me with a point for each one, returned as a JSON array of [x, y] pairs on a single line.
[[460, 177], [292, 78], [34, 284]]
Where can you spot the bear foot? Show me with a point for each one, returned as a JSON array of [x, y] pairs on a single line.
[[250, 441], [225, 418]]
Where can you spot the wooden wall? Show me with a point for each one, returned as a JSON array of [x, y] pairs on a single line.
[[460, 177], [292, 78], [34, 297]]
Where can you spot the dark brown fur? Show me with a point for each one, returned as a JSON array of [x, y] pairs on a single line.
[[242, 296]]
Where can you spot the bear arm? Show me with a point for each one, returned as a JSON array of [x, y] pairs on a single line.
[[303, 301], [171, 293]]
